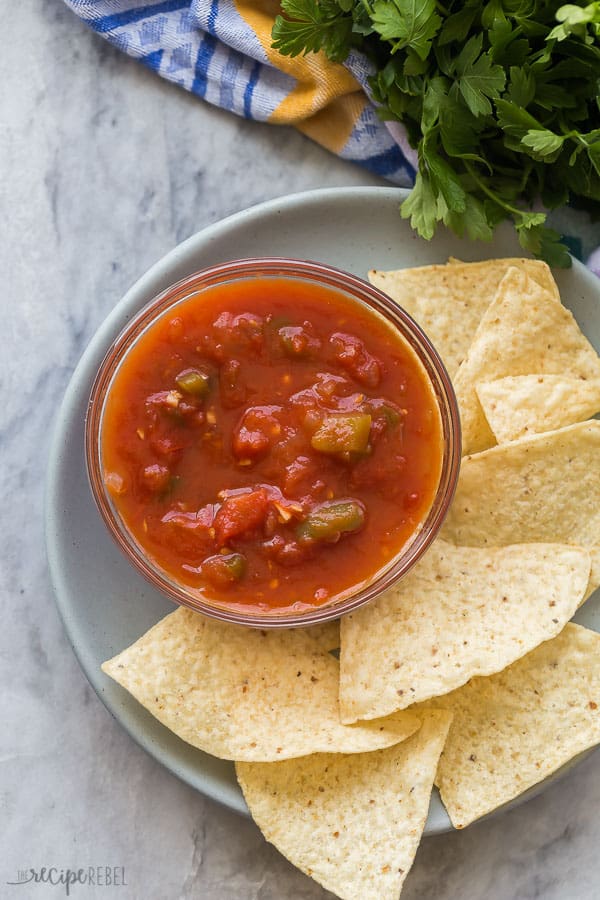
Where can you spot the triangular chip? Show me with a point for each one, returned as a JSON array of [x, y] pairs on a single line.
[[541, 488], [449, 301], [594, 581], [523, 331], [460, 612], [514, 729], [353, 823], [520, 405], [326, 635], [240, 693], [535, 268]]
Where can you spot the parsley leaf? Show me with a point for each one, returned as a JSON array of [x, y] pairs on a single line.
[[594, 155], [407, 24], [575, 20], [421, 207], [310, 27], [444, 180], [543, 241], [473, 220], [514, 120], [457, 26], [543, 144], [521, 89], [478, 79]]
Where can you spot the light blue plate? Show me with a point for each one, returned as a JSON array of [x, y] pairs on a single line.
[[104, 603]]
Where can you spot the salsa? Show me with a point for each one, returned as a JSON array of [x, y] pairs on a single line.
[[271, 443]]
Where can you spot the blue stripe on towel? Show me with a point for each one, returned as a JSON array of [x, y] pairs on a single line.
[[212, 16], [206, 52], [249, 90], [387, 163], [117, 20], [153, 60]]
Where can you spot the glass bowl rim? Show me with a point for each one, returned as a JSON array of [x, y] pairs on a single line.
[[359, 290]]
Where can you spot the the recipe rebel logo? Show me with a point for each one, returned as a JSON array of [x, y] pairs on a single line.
[[90, 876]]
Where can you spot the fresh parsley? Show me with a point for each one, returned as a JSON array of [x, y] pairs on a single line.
[[500, 98]]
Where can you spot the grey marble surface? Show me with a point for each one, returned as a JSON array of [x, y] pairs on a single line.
[[104, 169]]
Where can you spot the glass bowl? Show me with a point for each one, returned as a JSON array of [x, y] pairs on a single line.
[[369, 298]]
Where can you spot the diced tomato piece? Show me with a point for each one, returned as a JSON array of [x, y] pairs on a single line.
[[352, 354], [257, 431], [232, 385], [240, 514], [330, 388], [199, 520], [167, 400], [156, 478], [167, 447], [369, 473], [211, 348], [172, 405], [329, 392], [297, 473], [249, 444], [286, 552], [189, 533], [239, 331], [386, 417]]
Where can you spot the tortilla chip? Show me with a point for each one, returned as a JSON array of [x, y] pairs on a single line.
[[514, 729], [594, 582], [460, 612], [449, 301], [326, 635], [524, 331], [240, 693], [541, 488], [535, 268], [353, 823], [520, 405]]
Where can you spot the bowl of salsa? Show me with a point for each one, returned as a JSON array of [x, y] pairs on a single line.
[[272, 442]]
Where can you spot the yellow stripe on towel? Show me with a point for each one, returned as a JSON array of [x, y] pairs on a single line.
[[332, 127], [320, 84]]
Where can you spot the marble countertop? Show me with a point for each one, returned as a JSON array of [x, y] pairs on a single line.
[[105, 168]]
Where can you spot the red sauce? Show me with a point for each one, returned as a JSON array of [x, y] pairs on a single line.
[[271, 443]]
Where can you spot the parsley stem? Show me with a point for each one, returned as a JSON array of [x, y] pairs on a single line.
[[489, 193]]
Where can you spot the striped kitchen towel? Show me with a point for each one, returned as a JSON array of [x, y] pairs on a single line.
[[221, 51]]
